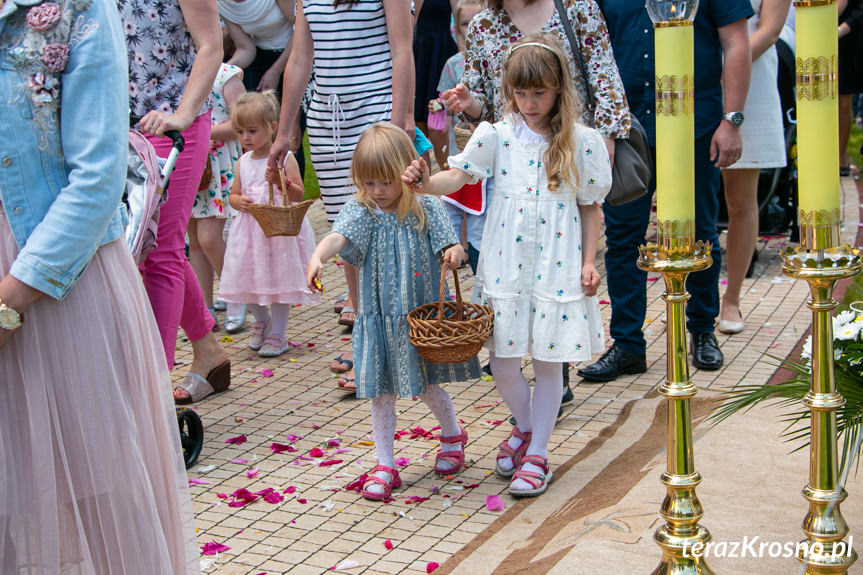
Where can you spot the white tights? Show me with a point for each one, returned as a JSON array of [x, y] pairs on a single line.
[[537, 415], [384, 427], [279, 320]]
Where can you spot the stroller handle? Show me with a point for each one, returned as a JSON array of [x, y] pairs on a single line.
[[177, 141]]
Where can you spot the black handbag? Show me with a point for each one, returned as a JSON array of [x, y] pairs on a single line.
[[633, 162]]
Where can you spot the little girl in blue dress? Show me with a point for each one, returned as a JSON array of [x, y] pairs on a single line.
[[395, 237]]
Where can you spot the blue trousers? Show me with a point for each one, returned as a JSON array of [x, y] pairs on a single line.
[[625, 231]]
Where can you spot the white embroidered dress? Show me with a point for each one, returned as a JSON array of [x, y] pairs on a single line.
[[530, 262]]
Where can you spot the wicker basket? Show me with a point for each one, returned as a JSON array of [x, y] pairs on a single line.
[[449, 331], [284, 220], [463, 131]]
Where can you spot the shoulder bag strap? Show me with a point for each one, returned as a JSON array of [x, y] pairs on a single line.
[[576, 52]]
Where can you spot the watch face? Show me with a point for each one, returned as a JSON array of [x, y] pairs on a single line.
[[736, 119], [9, 318]]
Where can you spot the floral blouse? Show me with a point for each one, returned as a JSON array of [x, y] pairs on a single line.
[[490, 33], [161, 53]]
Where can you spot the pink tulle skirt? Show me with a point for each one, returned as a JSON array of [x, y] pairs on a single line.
[[92, 480]]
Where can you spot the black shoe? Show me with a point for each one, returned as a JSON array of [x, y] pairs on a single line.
[[567, 392], [614, 363], [705, 351], [486, 369]]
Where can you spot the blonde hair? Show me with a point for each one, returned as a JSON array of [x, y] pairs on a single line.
[[463, 4], [256, 108], [538, 62], [382, 153]]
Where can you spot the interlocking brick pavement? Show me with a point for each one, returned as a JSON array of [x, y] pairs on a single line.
[[321, 525]]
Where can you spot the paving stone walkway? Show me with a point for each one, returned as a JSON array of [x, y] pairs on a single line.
[[284, 425]]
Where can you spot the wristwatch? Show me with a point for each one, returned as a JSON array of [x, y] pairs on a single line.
[[9, 318], [735, 118]]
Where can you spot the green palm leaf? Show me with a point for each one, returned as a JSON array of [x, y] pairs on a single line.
[[789, 394]]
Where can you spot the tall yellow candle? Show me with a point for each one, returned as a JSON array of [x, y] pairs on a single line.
[[675, 124], [817, 121]]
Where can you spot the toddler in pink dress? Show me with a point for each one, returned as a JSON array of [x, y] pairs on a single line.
[[261, 271]]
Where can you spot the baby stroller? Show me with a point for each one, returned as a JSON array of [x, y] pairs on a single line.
[[146, 190]]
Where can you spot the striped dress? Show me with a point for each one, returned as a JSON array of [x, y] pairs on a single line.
[[352, 89]]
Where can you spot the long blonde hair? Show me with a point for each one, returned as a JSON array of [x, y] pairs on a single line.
[[382, 153], [546, 67]]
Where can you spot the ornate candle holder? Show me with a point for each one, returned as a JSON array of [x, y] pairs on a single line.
[[675, 256], [825, 551]]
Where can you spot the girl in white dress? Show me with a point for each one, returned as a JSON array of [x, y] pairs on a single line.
[[536, 269]]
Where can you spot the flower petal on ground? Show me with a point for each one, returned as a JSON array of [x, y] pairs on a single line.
[[494, 503], [238, 440], [213, 547]]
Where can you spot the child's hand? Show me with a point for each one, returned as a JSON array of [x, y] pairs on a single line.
[[457, 99], [415, 172], [313, 274], [272, 176], [435, 106], [453, 256], [590, 279], [243, 203]]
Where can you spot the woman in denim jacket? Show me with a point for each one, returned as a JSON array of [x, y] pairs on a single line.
[[90, 465]]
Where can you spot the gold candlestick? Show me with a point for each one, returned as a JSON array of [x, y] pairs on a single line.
[[825, 552], [821, 263], [675, 256]]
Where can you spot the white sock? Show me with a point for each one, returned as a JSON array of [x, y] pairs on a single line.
[[384, 430], [261, 312], [545, 405], [280, 314], [515, 391], [440, 404]]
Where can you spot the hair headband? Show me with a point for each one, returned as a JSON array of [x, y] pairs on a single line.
[[539, 44]]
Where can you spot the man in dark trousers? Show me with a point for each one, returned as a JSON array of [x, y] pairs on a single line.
[[722, 67]]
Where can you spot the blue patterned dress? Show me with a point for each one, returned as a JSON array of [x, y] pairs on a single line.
[[399, 270]]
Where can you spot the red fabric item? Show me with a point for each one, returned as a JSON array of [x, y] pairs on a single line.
[[470, 198]]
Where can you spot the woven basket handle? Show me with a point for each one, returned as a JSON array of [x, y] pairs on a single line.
[[459, 305], [284, 189]]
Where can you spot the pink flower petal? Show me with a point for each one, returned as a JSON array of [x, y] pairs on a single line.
[[316, 452], [240, 460], [494, 503], [238, 440], [333, 442], [213, 548], [197, 481], [253, 472], [302, 501], [267, 372], [403, 461], [293, 438], [604, 302], [274, 497], [281, 448], [431, 566], [289, 489], [329, 462], [388, 544]]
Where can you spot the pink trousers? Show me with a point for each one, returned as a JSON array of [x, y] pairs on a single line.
[[171, 284]]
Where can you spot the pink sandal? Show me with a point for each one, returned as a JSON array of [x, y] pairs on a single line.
[[538, 481], [388, 486], [456, 458], [516, 454]]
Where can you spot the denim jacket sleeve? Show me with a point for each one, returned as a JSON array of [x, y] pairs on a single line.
[[87, 166]]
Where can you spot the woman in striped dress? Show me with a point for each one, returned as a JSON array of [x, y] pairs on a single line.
[[361, 51]]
